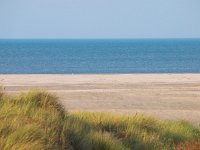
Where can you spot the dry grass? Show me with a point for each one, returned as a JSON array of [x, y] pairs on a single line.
[[36, 121]]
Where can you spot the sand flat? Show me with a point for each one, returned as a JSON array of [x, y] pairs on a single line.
[[166, 96]]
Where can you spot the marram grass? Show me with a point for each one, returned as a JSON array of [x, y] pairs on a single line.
[[37, 121]]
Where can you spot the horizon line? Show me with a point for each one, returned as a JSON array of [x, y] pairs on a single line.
[[162, 38]]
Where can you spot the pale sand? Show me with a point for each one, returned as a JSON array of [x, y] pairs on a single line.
[[166, 96]]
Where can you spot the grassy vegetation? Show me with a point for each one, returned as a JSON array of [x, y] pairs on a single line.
[[36, 121]]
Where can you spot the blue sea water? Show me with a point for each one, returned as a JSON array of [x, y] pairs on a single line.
[[99, 56]]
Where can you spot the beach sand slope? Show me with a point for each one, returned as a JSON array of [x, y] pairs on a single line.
[[166, 96]]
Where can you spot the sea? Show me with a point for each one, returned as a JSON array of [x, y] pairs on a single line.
[[99, 56]]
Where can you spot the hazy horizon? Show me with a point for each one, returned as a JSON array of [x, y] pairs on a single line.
[[168, 38]]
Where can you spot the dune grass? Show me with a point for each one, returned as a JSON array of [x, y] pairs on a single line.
[[36, 121]]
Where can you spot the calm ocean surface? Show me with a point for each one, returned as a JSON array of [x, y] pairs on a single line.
[[99, 56]]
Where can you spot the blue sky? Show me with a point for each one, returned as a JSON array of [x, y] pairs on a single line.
[[99, 18]]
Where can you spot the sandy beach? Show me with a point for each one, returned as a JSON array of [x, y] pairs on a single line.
[[165, 96]]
